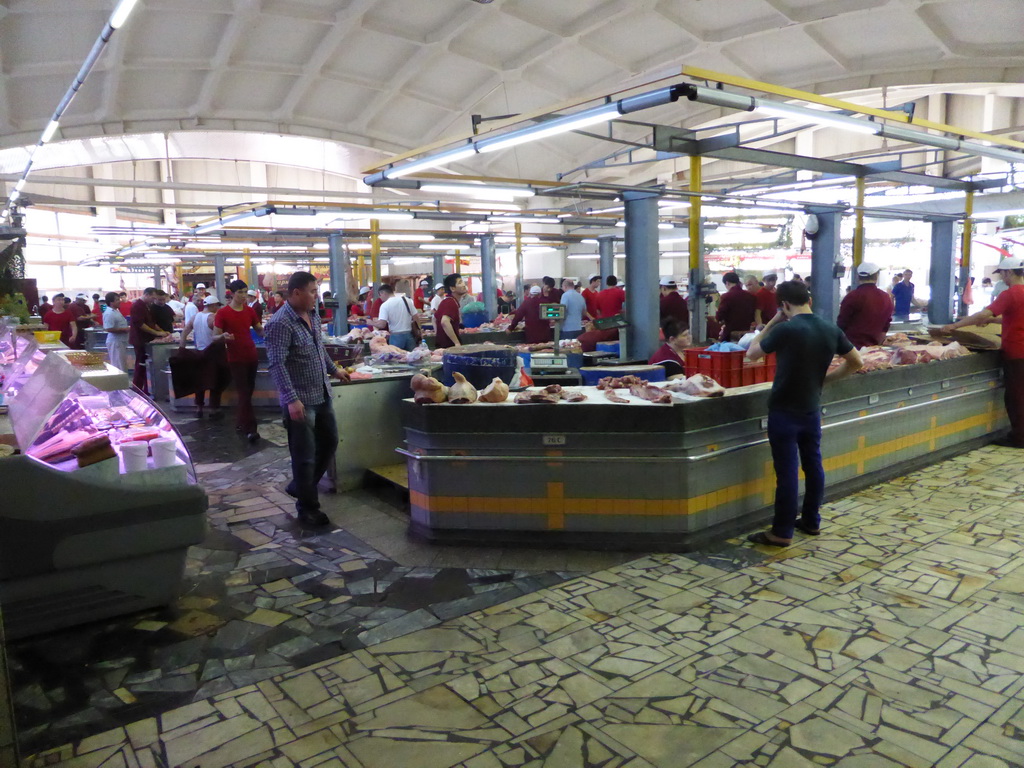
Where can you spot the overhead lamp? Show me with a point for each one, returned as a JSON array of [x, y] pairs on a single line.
[[321, 260], [666, 205], [444, 158], [385, 215], [121, 13], [437, 247], [661, 225], [401, 260], [553, 127], [527, 219], [817, 116], [406, 238], [49, 131], [13, 196], [583, 256], [590, 240], [359, 246], [477, 190]]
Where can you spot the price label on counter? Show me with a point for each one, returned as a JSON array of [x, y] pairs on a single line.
[[554, 439]]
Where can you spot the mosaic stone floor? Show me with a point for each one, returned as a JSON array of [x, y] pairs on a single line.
[[262, 597], [894, 639]]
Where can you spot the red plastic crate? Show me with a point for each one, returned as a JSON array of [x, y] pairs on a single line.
[[729, 368]]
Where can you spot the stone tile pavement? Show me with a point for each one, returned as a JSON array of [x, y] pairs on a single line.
[[894, 639]]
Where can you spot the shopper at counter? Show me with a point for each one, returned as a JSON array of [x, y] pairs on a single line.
[[214, 375], [670, 355], [1010, 307], [163, 314], [537, 329], [142, 329], [97, 310], [575, 310], [233, 323], [398, 315], [252, 299], [84, 319], [672, 305], [447, 316], [804, 345], [301, 369], [116, 326], [865, 313], [903, 296], [61, 319], [736, 309]]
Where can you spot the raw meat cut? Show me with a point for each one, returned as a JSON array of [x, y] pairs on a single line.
[[427, 390], [698, 385], [461, 391], [611, 382], [536, 397], [651, 394], [610, 395], [495, 392], [573, 396]]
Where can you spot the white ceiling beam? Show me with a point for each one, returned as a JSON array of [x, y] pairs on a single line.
[[242, 20]]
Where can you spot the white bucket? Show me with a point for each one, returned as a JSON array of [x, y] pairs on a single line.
[[134, 456], [164, 451]]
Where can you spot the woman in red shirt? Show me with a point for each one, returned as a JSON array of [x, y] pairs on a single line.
[[670, 355], [447, 317], [233, 323], [61, 319]]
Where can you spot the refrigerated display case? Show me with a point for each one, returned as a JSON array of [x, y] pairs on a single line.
[[91, 524]]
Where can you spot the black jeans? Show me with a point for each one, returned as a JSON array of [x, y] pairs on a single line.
[[1013, 397], [244, 376], [795, 440], [311, 443]]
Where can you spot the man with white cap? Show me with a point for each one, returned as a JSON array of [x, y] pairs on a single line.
[[673, 305], [1009, 306], [537, 329], [420, 296], [253, 301], [437, 298], [195, 304], [865, 313]]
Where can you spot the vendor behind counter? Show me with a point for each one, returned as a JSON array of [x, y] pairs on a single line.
[[670, 355]]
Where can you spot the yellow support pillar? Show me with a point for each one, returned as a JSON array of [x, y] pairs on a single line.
[[179, 276], [696, 185], [858, 229], [375, 250], [249, 277], [698, 309], [965, 248]]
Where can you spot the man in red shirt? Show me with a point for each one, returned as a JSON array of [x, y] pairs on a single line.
[[549, 293], [125, 307], [670, 355], [142, 329], [61, 319], [83, 319], [97, 310], [447, 317], [232, 323], [420, 298], [538, 330], [45, 307], [376, 304], [767, 303], [590, 294], [673, 305], [610, 300], [736, 308], [1010, 306], [866, 312]]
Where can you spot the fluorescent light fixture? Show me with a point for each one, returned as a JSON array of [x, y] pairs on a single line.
[[369, 213], [671, 204], [452, 156], [477, 190], [817, 116], [20, 185], [406, 238], [583, 256], [121, 13], [51, 129], [438, 247], [155, 262], [488, 206], [590, 240], [321, 260], [512, 239], [359, 246], [13, 196], [527, 219], [553, 127], [397, 260]]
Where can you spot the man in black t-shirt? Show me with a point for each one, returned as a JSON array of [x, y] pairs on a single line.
[[804, 346]]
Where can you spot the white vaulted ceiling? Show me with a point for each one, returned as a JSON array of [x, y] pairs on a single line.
[[391, 75]]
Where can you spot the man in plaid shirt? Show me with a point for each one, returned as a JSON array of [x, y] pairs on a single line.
[[301, 370]]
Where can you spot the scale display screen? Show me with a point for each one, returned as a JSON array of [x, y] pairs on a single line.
[[552, 312]]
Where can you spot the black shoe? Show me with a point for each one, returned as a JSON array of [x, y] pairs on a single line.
[[253, 437], [199, 413], [216, 414], [762, 538], [313, 519], [804, 528], [290, 490], [1006, 442]]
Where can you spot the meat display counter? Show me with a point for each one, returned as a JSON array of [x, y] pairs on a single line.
[[91, 524], [658, 477]]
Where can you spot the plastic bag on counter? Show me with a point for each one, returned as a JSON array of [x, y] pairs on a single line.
[[419, 355], [725, 346], [746, 341]]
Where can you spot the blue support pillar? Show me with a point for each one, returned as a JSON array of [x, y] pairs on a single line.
[[488, 270], [339, 288], [824, 250], [438, 270], [940, 278], [218, 276], [642, 299], [606, 256]]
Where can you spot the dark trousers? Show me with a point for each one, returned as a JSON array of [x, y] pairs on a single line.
[[215, 376], [795, 439], [244, 377], [1013, 396], [311, 443], [139, 376]]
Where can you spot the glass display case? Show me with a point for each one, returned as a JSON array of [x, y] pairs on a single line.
[[101, 501]]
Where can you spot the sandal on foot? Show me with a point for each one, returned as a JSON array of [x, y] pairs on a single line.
[[762, 538], [803, 528]]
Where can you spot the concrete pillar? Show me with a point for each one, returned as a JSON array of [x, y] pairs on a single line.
[[824, 250], [642, 302], [940, 278], [606, 256], [438, 270], [336, 253], [157, 275], [219, 263], [488, 270]]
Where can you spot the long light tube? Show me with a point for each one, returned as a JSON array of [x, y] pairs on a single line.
[[121, 13], [434, 161], [477, 190], [554, 127], [355, 215], [853, 124], [406, 238]]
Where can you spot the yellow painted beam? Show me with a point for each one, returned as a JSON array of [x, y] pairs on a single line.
[[375, 250], [695, 204], [827, 101], [965, 240], [858, 231]]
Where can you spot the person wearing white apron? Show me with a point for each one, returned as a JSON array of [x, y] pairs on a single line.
[[116, 326]]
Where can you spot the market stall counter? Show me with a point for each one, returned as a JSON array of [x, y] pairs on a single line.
[[641, 475], [100, 497]]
